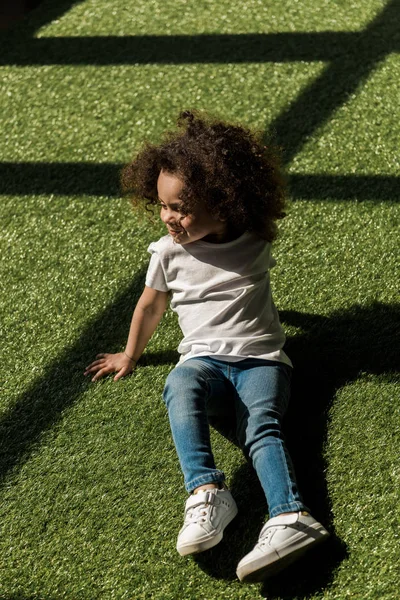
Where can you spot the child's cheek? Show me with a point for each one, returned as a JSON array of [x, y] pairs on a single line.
[[186, 222]]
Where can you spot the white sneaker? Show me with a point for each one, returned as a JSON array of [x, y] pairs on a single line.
[[282, 540], [207, 513]]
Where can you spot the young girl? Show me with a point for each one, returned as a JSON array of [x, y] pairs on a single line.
[[220, 193]]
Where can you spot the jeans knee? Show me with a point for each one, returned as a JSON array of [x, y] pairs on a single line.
[[173, 384], [184, 382], [252, 436], [174, 379]]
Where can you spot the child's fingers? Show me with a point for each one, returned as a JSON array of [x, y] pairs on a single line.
[[100, 366], [101, 359], [96, 363], [94, 366], [101, 373], [122, 372], [104, 365]]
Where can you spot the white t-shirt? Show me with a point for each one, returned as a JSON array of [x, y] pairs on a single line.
[[222, 295]]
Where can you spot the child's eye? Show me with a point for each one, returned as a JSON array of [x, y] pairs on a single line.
[[177, 208]]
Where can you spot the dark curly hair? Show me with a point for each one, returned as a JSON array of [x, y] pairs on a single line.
[[226, 166]]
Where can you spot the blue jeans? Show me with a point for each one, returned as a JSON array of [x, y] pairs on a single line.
[[256, 392]]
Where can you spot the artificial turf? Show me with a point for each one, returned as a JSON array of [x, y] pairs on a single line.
[[91, 494]]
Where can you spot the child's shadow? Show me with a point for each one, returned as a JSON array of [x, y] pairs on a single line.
[[328, 353]]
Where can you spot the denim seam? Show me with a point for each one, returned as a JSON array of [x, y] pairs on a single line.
[[292, 504], [288, 507], [214, 476], [289, 475]]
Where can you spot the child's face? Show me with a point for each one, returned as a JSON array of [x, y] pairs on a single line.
[[184, 229]]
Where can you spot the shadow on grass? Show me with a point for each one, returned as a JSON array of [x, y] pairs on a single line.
[[41, 406], [42, 13], [329, 353], [91, 179], [339, 80], [353, 53], [351, 58]]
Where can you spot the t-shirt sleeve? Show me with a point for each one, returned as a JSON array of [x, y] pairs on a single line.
[[155, 277]]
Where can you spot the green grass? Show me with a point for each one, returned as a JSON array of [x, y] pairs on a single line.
[[91, 495]]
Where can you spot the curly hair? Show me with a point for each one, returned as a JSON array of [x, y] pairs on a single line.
[[224, 165]]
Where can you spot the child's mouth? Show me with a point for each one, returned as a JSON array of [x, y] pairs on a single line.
[[174, 231]]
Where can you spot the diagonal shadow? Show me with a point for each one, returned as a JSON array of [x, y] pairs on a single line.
[[102, 179], [339, 80], [41, 406], [331, 352]]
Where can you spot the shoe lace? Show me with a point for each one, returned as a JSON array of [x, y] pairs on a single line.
[[265, 536], [197, 514]]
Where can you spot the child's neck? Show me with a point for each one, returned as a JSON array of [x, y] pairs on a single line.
[[229, 234]]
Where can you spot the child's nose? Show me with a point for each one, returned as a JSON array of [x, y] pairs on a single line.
[[165, 216], [168, 217]]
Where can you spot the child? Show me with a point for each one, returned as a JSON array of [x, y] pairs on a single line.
[[220, 193]]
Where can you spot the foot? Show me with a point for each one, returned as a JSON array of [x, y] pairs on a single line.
[[207, 513], [282, 540]]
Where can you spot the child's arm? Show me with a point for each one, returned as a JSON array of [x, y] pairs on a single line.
[[147, 315]]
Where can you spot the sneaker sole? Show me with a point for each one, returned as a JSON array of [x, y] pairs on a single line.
[[271, 564], [209, 542]]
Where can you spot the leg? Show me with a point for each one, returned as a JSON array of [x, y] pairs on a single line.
[[188, 389], [263, 389], [263, 395]]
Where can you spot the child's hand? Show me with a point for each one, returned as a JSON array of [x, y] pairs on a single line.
[[110, 363]]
